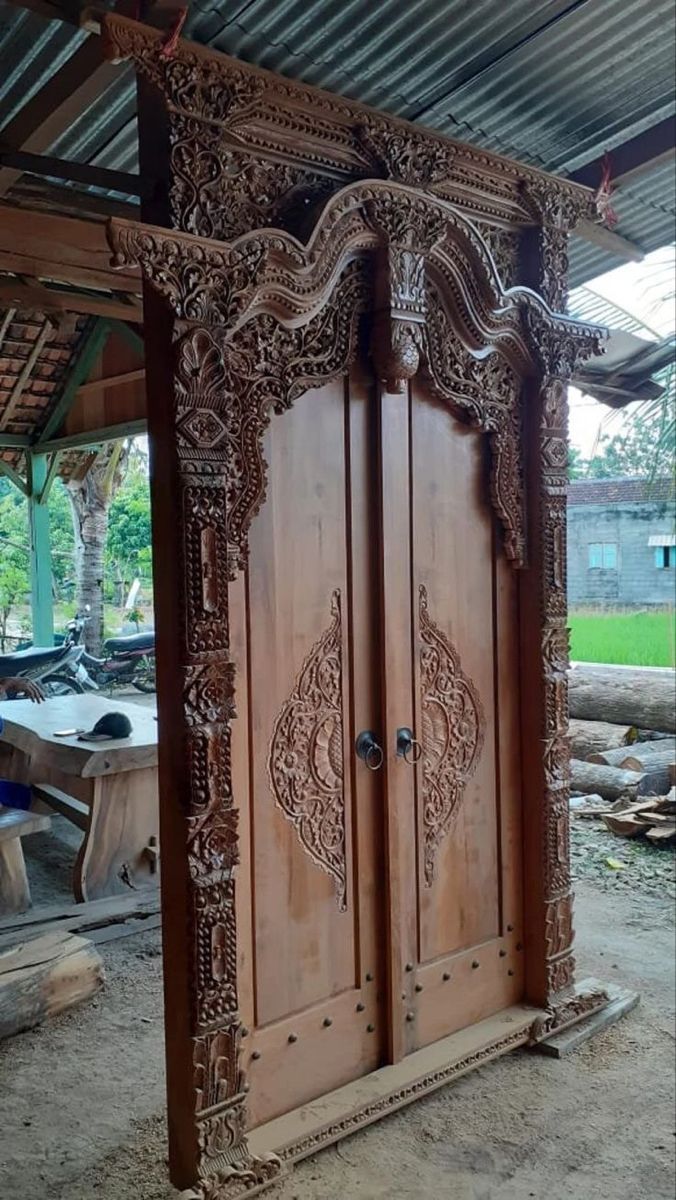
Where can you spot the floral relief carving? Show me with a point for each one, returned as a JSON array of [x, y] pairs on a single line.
[[398, 153], [487, 389], [305, 761], [453, 729]]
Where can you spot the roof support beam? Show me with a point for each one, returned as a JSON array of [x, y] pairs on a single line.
[[90, 350], [14, 441], [613, 242], [82, 441], [6, 469], [61, 249], [60, 168], [65, 96], [634, 157], [50, 300]]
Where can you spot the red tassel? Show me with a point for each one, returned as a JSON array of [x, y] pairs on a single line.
[[169, 48], [603, 194]]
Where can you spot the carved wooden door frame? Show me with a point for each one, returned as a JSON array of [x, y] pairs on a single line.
[[238, 329]]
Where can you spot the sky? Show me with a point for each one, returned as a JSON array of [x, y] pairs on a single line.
[[644, 290]]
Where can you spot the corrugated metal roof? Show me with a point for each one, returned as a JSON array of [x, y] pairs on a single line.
[[550, 82]]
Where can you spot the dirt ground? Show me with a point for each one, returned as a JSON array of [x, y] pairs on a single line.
[[81, 1098]]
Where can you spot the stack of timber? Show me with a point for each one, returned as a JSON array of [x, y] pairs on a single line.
[[623, 749], [655, 817]]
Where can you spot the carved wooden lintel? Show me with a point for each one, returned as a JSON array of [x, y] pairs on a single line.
[[232, 125]]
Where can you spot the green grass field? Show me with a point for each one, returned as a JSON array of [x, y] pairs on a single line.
[[642, 639]]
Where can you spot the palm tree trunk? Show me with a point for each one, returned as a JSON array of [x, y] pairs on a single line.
[[91, 492]]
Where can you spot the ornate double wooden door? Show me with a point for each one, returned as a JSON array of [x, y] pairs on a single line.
[[379, 896]]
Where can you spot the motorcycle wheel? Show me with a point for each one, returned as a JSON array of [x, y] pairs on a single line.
[[144, 676], [61, 685]]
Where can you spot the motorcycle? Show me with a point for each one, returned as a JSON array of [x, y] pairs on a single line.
[[57, 669], [128, 660]]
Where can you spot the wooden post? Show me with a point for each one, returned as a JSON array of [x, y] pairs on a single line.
[[42, 613]]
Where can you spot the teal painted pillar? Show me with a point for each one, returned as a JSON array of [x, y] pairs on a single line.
[[41, 558]]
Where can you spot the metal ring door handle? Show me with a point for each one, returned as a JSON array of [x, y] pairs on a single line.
[[369, 750], [408, 747]]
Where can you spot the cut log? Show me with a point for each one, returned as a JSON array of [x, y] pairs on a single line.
[[41, 978], [648, 752], [614, 757], [589, 737], [611, 782], [651, 756], [641, 696]]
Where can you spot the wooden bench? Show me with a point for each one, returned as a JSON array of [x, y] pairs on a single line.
[[15, 894]]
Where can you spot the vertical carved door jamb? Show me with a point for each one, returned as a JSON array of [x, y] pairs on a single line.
[[550, 965]]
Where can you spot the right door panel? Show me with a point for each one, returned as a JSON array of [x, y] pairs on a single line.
[[464, 897]]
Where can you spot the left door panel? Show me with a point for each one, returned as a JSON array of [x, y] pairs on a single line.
[[303, 642]]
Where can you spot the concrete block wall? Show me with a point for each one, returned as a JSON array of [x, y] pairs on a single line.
[[636, 581]]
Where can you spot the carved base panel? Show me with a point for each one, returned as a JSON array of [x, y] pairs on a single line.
[[310, 1128]]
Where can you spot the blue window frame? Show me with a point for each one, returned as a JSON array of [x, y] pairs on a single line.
[[603, 556], [665, 556]]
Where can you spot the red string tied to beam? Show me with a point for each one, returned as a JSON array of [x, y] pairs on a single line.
[[169, 47]]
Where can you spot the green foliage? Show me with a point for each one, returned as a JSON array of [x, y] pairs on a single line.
[[129, 550], [14, 555], [640, 639], [61, 537], [639, 450], [576, 463]]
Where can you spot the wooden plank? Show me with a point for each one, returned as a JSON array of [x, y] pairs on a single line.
[[64, 249], [41, 978], [139, 916], [67, 806], [14, 822], [82, 917], [47, 300], [98, 385], [622, 1001]]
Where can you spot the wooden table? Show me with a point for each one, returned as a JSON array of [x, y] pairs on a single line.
[[107, 788]]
